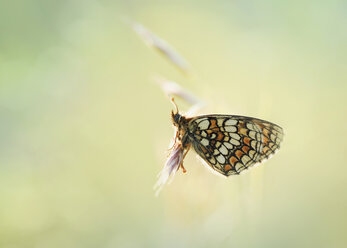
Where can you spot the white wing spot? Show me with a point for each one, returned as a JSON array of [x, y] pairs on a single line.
[[254, 144], [221, 159], [230, 122], [219, 166], [228, 145], [238, 166], [234, 136], [212, 160], [220, 122], [223, 150], [252, 134], [245, 159], [234, 142], [205, 142], [203, 125], [252, 153], [215, 152], [250, 126], [230, 128]]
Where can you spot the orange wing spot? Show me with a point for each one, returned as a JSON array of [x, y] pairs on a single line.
[[213, 123], [239, 153], [246, 140], [261, 125], [220, 136], [204, 150], [265, 140], [266, 132], [243, 131], [266, 149], [209, 131], [245, 149], [233, 160], [227, 167]]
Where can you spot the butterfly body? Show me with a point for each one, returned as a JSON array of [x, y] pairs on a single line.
[[229, 144]]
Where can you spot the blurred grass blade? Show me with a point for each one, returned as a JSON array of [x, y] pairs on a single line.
[[172, 88], [170, 168], [163, 47]]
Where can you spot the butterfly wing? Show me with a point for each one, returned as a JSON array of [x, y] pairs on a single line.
[[272, 136], [231, 144]]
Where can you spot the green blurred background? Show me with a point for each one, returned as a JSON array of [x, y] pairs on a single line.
[[84, 130]]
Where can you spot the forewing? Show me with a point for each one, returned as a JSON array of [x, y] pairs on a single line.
[[231, 144]]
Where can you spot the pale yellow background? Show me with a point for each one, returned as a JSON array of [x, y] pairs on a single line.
[[84, 130]]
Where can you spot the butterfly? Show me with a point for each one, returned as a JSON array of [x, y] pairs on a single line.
[[229, 144]]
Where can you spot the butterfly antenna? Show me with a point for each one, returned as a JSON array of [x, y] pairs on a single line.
[[173, 102]]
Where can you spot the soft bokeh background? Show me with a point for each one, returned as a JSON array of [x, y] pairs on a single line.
[[84, 130]]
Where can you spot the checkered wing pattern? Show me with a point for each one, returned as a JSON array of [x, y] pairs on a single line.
[[231, 144]]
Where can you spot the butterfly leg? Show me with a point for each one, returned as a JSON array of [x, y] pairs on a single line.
[[182, 167], [174, 143], [184, 155]]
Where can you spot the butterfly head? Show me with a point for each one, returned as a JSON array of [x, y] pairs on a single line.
[[177, 118]]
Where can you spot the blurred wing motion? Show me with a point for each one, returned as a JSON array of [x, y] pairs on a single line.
[[231, 144]]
